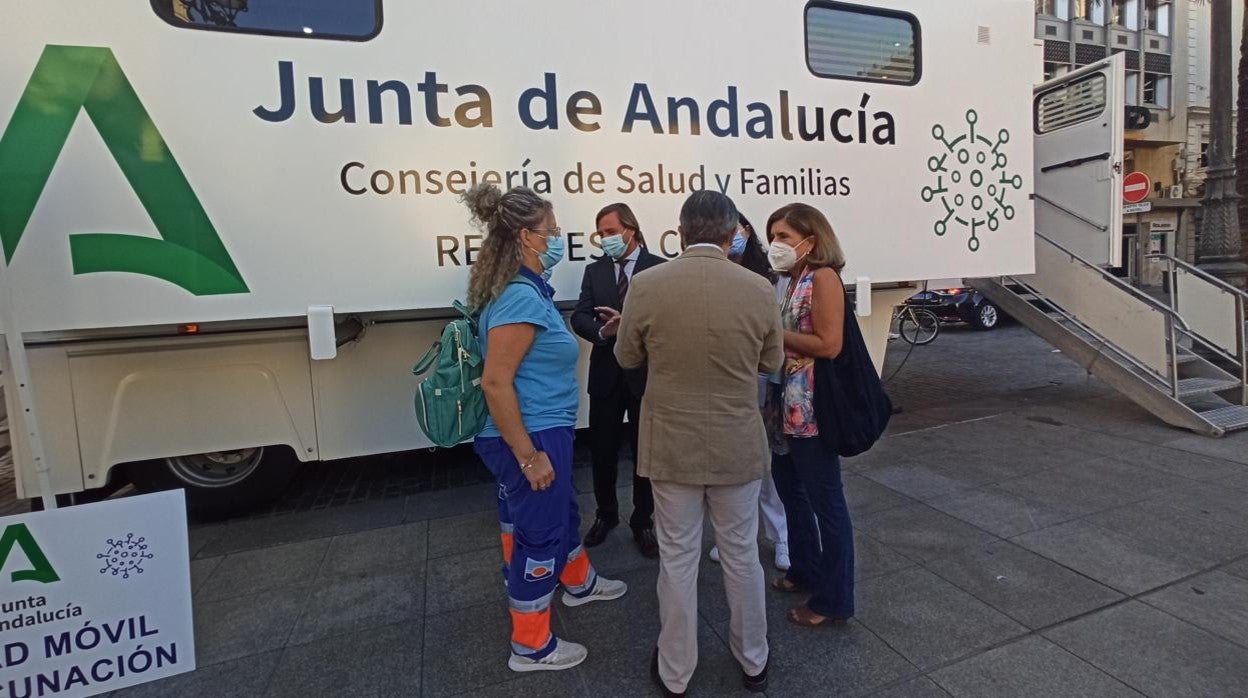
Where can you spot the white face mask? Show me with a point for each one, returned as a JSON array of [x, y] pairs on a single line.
[[782, 257]]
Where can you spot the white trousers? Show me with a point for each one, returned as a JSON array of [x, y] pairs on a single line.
[[678, 514], [775, 526]]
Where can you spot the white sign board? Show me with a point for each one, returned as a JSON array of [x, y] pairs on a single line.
[[276, 173], [95, 597], [1142, 207]]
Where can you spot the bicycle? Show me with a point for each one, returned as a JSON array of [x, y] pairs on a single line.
[[918, 326]]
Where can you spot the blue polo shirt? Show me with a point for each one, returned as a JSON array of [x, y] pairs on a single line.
[[546, 379]]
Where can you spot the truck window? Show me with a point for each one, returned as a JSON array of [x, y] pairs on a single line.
[[1072, 103], [345, 20], [851, 42]]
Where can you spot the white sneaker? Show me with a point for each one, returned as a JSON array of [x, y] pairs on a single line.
[[604, 590], [782, 557], [714, 554], [566, 655]]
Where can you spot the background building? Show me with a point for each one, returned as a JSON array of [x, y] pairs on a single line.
[[1166, 45]]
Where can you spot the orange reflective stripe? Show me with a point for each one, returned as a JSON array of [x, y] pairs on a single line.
[[509, 543], [530, 629], [576, 572]]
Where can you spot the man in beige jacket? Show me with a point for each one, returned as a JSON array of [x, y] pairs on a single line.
[[706, 328]]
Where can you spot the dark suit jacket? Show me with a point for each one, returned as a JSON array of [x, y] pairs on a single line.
[[599, 288]]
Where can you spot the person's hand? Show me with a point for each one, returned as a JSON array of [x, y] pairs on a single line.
[[610, 318], [541, 475]]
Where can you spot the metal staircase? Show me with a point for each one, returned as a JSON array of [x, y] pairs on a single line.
[[1184, 359]]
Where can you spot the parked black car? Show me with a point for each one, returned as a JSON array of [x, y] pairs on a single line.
[[959, 305]]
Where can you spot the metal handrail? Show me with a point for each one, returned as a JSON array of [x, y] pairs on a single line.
[[1197, 271], [1122, 285]]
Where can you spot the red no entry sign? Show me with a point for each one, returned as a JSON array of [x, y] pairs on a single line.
[[1135, 187]]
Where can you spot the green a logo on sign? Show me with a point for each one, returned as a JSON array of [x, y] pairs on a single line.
[[71, 78], [20, 536]]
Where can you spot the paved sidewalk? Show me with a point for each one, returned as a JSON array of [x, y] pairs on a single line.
[[1022, 531]]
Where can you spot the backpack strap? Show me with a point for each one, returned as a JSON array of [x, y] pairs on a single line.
[[426, 362]]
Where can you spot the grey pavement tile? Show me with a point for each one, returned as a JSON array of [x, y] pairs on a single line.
[[1127, 564], [269, 531], [346, 603], [464, 533], [381, 661], [241, 678], [245, 625], [874, 559], [1111, 416], [467, 650], [1000, 512], [1129, 481], [1238, 481], [1238, 568], [927, 477], [252, 571], [201, 569], [928, 620], [921, 687], [1178, 531], [464, 580], [1208, 502], [1233, 448], [1030, 589], [1217, 602], [922, 533], [453, 502], [1032, 666], [393, 547], [198, 536], [1063, 494], [867, 496], [1156, 653], [1181, 463]]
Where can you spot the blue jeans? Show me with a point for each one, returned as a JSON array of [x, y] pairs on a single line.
[[821, 537]]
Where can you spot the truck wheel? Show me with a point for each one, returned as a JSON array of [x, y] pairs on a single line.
[[987, 316], [220, 484]]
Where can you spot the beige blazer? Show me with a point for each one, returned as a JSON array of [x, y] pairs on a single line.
[[706, 327]]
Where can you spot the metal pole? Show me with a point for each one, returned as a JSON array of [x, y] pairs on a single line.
[[1220, 235], [25, 397]]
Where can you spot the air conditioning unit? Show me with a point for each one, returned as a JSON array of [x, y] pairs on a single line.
[[1176, 191]]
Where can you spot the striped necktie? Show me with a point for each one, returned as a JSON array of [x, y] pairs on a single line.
[[621, 283]]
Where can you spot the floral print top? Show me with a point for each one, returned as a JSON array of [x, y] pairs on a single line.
[[799, 371]]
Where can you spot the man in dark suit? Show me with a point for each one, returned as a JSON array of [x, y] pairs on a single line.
[[614, 392]]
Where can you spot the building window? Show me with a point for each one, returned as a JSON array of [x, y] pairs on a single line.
[[1125, 13], [1132, 88], [349, 20], [1090, 11], [1204, 154], [1053, 8], [850, 42], [1157, 90], [1157, 15]]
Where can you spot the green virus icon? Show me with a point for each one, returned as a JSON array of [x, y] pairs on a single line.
[[972, 180]]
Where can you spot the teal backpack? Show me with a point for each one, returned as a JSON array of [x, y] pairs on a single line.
[[450, 404]]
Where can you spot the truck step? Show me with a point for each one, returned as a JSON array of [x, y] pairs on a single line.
[[1230, 418], [1191, 387]]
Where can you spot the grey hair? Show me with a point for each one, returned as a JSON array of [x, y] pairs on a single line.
[[708, 217], [502, 216]]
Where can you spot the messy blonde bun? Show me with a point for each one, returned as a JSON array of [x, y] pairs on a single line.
[[501, 216]]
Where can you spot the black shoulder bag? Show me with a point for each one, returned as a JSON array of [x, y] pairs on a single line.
[[851, 407]]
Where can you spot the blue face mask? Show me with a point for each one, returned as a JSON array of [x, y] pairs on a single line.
[[614, 246], [555, 247], [738, 244], [547, 274]]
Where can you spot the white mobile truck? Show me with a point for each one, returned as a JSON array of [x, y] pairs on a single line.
[[232, 225]]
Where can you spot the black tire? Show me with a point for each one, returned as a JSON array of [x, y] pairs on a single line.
[[922, 332], [267, 479], [986, 316]]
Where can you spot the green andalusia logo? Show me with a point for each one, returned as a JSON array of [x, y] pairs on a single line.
[[69, 79], [19, 536], [972, 181]]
